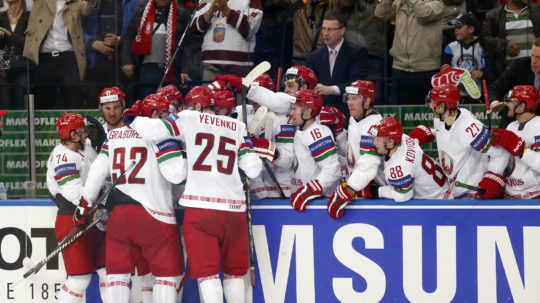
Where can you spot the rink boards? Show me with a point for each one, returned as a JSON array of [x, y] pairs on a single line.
[[380, 251]]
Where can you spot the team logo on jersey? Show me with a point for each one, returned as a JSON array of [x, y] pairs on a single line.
[[350, 156], [447, 163], [219, 32]]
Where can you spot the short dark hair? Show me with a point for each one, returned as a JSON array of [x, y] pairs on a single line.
[[536, 42], [339, 17]]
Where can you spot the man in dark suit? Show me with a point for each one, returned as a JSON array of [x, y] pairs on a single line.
[[338, 63]]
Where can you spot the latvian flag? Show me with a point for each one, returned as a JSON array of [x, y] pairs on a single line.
[[322, 148], [171, 126], [536, 145], [367, 146], [286, 134], [65, 173], [482, 142], [402, 185], [167, 150]]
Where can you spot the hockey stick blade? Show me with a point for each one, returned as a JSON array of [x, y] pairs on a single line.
[[257, 120], [258, 70], [470, 187]]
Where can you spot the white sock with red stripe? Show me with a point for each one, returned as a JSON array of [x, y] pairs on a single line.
[[147, 284], [73, 289], [118, 291], [165, 289], [103, 285], [233, 287], [210, 289]]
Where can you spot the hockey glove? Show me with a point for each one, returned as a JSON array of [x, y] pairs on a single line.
[[333, 118], [303, 196], [493, 184], [217, 84], [423, 134], [509, 141], [95, 132], [81, 216], [264, 148], [131, 113], [339, 200], [371, 191], [234, 82]]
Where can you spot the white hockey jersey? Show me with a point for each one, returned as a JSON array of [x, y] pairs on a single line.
[[465, 152], [128, 150], [67, 171], [364, 163], [316, 158], [413, 174], [531, 156], [524, 181], [215, 149]]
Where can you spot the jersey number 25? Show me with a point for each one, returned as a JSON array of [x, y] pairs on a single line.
[[209, 139]]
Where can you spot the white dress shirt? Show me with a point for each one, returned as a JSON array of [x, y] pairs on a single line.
[[57, 37]]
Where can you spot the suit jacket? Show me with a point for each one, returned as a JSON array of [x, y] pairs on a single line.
[[41, 20], [16, 41], [518, 73], [350, 65]]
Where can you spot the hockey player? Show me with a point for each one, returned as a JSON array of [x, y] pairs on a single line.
[[173, 96], [141, 209], [316, 171], [409, 171], [215, 225], [521, 139], [363, 161], [464, 145], [67, 171]]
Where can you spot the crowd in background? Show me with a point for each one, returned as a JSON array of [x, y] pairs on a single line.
[[66, 51]]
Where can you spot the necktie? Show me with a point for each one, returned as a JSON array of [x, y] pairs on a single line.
[[332, 57]]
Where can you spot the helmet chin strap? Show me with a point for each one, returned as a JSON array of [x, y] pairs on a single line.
[[304, 120]]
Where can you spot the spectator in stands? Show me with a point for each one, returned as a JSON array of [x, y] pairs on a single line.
[[417, 57], [229, 30], [102, 32], [338, 63], [466, 52], [364, 28], [2, 114], [54, 41], [13, 24], [508, 32], [146, 47]]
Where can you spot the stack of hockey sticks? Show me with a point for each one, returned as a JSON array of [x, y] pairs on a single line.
[[76, 232]]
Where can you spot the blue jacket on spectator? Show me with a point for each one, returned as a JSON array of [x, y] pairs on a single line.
[[90, 26]]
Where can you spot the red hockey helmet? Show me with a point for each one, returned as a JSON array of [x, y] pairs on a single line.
[[224, 98], [446, 93], [390, 128], [265, 81], [363, 88], [154, 102], [171, 93], [111, 94], [528, 94], [302, 74], [200, 94], [310, 99], [68, 122]]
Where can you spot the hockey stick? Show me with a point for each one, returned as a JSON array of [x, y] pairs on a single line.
[[76, 232], [470, 187], [486, 100]]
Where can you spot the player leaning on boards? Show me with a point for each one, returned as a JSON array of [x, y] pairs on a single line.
[[521, 139], [215, 224], [409, 171], [465, 146], [363, 161], [67, 171], [316, 171]]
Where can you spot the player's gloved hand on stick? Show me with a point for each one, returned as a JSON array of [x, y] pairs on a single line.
[[508, 140], [234, 82], [264, 148], [81, 216], [423, 134], [303, 196], [333, 118], [342, 196], [493, 184]]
